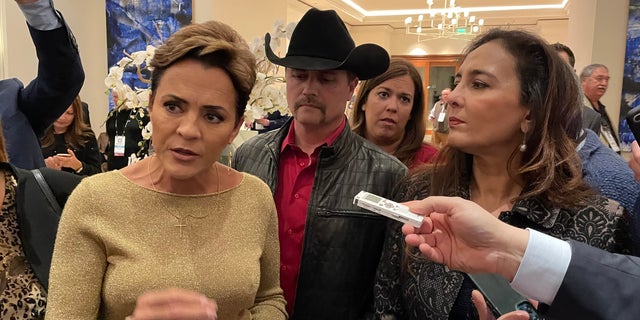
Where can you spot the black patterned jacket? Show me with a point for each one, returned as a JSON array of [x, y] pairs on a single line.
[[409, 286], [342, 242]]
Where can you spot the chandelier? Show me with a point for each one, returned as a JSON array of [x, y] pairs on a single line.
[[450, 22]]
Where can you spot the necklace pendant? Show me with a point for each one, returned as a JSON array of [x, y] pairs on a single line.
[[180, 225]]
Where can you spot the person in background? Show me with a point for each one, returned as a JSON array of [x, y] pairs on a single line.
[[27, 234], [315, 165], [124, 127], [85, 114], [526, 171], [28, 111], [591, 119], [389, 111], [595, 81], [439, 117], [272, 121], [603, 169], [570, 279], [162, 243], [70, 145]]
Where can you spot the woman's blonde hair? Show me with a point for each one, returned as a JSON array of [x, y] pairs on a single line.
[[78, 132], [214, 44]]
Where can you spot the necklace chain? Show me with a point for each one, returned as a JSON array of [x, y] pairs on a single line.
[[181, 219]]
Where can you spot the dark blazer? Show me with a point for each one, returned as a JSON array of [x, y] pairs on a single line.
[[27, 111], [276, 120], [37, 220], [591, 119], [598, 285]]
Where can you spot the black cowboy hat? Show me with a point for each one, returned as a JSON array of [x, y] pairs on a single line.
[[320, 41]]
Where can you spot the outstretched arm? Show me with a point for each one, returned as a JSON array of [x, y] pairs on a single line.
[[60, 74], [462, 235]]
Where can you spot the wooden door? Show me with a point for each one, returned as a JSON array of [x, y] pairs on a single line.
[[438, 73]]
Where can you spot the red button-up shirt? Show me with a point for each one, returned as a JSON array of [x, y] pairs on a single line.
[[296, 171]]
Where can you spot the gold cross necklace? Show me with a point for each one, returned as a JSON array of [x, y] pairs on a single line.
[[181, 219]]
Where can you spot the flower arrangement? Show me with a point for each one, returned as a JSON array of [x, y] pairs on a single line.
[[268, 94], [131, 68]]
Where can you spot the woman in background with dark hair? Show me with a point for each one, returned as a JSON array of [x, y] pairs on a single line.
[[514, 116], [389, 111], [70, 144]]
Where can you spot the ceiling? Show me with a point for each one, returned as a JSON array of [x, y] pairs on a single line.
[[514, 14]]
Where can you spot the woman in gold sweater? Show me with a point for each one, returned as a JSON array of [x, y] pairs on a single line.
[[176, 235]]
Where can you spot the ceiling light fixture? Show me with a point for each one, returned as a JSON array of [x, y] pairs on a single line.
[[450, 22]]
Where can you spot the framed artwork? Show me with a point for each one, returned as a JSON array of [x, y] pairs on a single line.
[[132, 25], [631, 80]]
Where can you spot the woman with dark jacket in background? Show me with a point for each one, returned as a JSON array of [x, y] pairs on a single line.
[[70, 144]]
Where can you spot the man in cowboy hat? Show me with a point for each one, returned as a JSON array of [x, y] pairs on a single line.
[[315, 165]]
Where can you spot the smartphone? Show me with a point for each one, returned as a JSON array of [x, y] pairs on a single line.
[[63, 154], [499, 295], [633, 120]]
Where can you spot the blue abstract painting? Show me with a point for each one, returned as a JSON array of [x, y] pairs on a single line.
[[631, 80], [134, 24]]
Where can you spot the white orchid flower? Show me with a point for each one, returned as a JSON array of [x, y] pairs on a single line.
[[146, 132]]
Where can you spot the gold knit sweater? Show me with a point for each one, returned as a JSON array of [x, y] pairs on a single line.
[[117, 240]]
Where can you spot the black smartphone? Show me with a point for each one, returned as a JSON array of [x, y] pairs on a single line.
[[60, 148], [633, 120], [499, 295]]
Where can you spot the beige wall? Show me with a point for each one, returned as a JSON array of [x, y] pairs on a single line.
[[597, 34], [596, 31]]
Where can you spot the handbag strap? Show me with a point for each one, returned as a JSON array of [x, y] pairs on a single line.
[[44, 186]]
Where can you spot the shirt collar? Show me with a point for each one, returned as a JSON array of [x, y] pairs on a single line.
[[290, 139]]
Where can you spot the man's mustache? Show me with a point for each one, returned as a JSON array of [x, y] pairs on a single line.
[[308, 101]]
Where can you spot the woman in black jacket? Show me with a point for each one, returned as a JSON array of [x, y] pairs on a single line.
[[70, 145]]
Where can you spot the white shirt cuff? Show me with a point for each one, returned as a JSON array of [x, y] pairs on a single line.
[[40, 15], [543, 267]]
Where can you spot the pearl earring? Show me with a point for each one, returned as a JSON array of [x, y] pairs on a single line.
[[523, 146]]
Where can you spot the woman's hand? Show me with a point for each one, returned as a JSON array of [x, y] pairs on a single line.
[[174, 304], [485, 313], [52, 163], [69, 161]]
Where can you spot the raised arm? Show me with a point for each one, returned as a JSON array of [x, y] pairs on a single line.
[[60, 74]]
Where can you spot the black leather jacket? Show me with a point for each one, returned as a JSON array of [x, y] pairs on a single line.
[[342, 243]]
